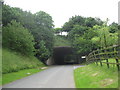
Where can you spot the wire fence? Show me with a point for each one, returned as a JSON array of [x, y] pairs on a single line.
[[104, 55]]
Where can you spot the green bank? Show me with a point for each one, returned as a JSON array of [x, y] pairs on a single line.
[[16, 66], [93, 76]]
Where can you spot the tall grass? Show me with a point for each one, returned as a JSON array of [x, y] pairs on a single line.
[[12, 61]]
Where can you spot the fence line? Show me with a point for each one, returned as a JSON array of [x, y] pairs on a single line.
[[105, 54]]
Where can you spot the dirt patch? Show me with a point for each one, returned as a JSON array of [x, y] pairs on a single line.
[[95, 74], [106, 82], [82, 72], [44, 68], [28, 73]]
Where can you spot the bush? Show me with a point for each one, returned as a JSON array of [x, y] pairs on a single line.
[[82, 46], [17, 38]]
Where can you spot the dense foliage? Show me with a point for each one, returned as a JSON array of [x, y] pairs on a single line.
[[43, 31], [82, 21], [17, 38], [40, 25], [88, 34]]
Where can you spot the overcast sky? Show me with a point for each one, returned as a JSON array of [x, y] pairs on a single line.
[[62, 10]]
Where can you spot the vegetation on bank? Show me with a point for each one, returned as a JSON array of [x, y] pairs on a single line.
[[27, 42], [13, 62], [18, 39], [93, 76], [61, 41], [16, 66]]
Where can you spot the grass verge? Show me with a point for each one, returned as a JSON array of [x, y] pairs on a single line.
[[93, 76], [9, 77]]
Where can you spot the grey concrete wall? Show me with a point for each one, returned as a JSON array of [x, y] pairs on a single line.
[[50, 61]]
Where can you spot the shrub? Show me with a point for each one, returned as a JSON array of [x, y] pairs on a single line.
[[17, 38]]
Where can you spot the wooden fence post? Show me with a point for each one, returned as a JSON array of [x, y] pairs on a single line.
[[117, 64], [107, 63], [95, 59], [104, 54], [96, 63], [100, 63]]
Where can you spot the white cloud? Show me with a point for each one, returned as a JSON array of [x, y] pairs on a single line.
[[62, 10]]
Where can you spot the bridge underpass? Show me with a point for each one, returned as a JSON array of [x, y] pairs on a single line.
[[62, 55]]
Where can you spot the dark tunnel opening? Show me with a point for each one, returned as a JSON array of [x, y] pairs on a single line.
[[63, 56]]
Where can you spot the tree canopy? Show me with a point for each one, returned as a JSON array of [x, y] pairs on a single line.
[[82, 21], [88, 34], [40, 25], [18, 38]]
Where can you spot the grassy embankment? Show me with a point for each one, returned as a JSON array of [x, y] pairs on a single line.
[[61, 41], [15, 66], [93, 76]]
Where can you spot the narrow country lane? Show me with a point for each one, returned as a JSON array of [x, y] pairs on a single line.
[[54, 77]]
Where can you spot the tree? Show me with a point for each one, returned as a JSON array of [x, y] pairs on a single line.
[[76, 20], [9, 14], [77, 30], [104, 38], [89, 34], [57, 30], [82, 21], [42, 53], [82, 46], [43, 31], [113, 27], [18, 38], [43, 19], [90, 22]]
